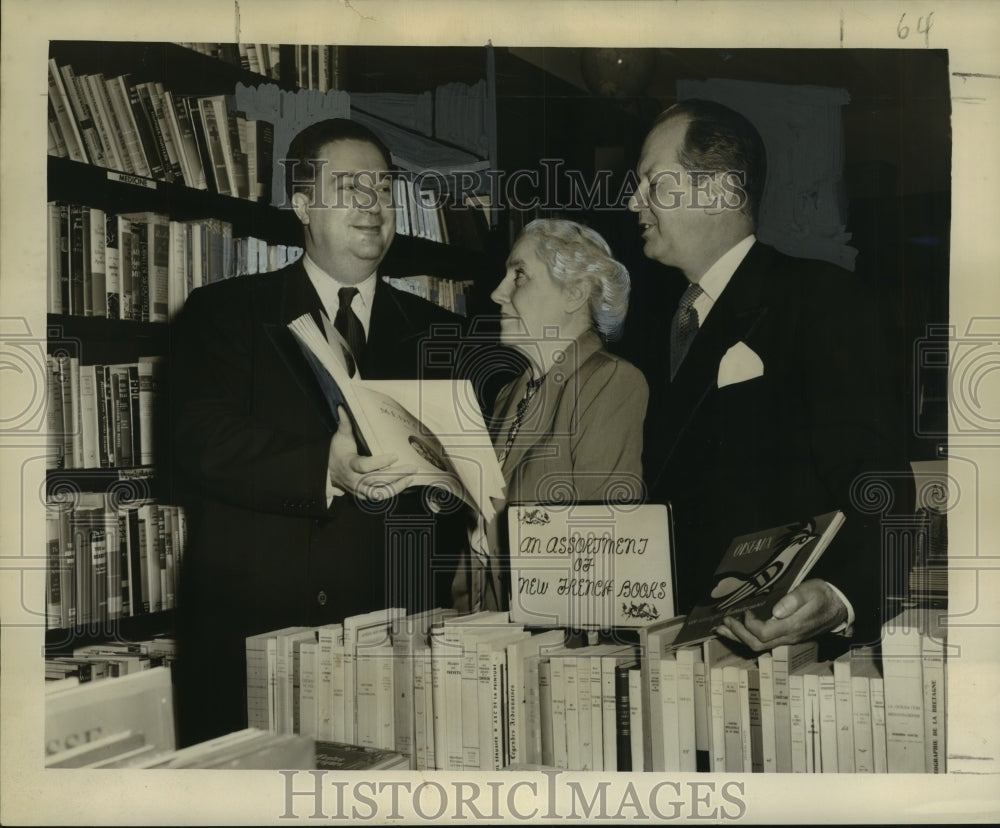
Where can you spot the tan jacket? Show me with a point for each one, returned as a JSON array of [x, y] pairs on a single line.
[[581, 439]]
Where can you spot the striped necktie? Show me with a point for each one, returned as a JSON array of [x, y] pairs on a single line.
[[684, 327]]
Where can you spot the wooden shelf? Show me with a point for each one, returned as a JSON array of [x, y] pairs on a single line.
[[78, 183], [123, 630]]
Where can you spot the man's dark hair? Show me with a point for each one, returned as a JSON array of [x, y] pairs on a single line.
[[307, 145], [719, 139]]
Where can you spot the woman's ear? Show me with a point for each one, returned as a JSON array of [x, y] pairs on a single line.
[[575, 296]]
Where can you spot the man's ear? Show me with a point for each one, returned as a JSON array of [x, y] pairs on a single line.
[[300, 204], [575, 296], [717, 195]]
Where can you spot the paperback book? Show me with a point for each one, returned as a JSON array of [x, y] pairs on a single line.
[[757, 570]]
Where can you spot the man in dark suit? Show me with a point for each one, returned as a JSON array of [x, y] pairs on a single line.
[[290, 524], [774, 395]]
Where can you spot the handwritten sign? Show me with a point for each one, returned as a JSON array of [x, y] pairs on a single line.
[[594, 566]]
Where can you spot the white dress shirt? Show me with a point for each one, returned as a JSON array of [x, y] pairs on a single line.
[[327, 287]]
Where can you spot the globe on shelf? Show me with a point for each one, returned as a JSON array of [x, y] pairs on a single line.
[[617, 73]]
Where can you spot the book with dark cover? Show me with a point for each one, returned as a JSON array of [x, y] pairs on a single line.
[[341, 756], [757, 570], [143, 117], [623, 731]]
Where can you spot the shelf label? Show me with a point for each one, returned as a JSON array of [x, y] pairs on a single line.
[[134, 180], [593, 566]]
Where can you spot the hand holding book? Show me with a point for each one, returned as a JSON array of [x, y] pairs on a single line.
[[806, 612], [372, 478], [417, 432]]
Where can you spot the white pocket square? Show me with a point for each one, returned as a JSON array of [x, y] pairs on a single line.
[[739, 364]]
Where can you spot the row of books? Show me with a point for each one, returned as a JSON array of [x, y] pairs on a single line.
[[141, 266], [261, 58], [141, 128], [111, 659], [101, 416], [477, 692], [107, 561], [419, 210], [448, 293]]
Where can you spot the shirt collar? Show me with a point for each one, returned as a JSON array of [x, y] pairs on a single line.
[[327, 287], [718, 275]]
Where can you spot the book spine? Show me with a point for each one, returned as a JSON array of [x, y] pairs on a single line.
[[64, 115], [256, 656], [637, 736], [586, 747], [110, 108], [142, 117], [572, 713], [92, 89], [112, 268], [81, 113], [686, 711], [756, 729], [732, 729], [862, 723], [597, 713], [623, 719], [53, 606], [669, 713], [797, 721], [845, 715], [933, 667], [828, 725], [560, 756], [880, 739], [765, 666], [128, 129], [306, 719], [904, 697]]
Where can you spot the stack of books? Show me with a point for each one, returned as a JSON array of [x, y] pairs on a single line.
[[111, 659]]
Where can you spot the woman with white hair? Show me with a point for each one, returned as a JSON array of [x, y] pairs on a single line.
[[570, 426]]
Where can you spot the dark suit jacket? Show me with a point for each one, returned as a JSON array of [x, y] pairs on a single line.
[[252, 434], [785, 445]]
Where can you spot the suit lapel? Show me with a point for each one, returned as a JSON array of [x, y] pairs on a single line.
[[538, 424], [389, 328], [734, 317], [298, 296]]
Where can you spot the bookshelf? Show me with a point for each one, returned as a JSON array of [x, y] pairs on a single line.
[[82, 334]]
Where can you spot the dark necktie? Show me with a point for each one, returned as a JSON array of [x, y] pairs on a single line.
[[684, 327], [350, 327]]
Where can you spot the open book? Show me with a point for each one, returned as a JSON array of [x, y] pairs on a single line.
[[435, 426], [757, 570]]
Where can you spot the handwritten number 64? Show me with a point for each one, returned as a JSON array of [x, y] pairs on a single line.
[[923, 27]]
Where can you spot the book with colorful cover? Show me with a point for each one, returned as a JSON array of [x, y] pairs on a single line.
[[757, 570]]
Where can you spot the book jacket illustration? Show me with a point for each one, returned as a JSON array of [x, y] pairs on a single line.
[[758, 569]]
